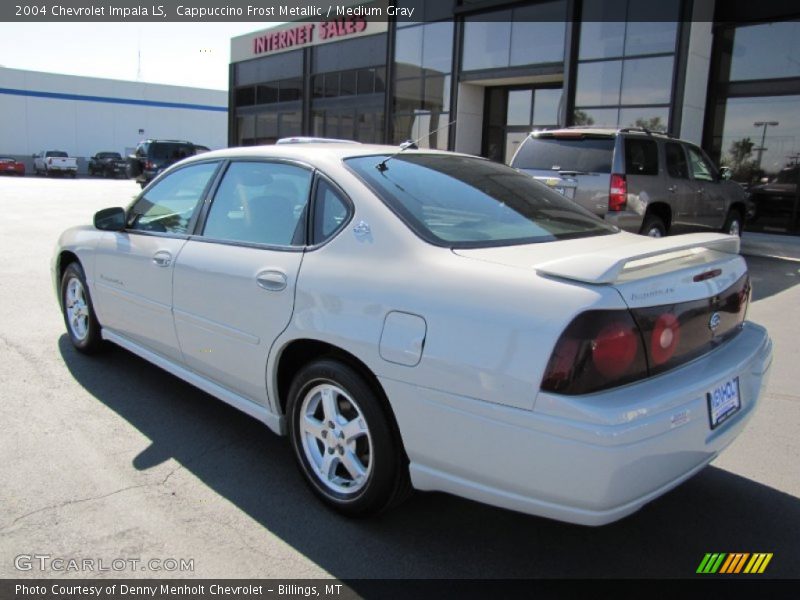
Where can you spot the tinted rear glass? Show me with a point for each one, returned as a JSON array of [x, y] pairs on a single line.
[[461, 201], [56, 154], [109, 155], [641, 157], [592, 155], [164, 150]]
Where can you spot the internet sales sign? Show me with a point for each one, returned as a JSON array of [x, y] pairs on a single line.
[[299, 35], [308, 33]]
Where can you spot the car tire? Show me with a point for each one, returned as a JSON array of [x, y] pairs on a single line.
[[78, 311], [341, 434], [733, 223], [653, 227]]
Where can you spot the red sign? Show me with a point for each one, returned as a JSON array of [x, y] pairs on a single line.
[[308, 33]]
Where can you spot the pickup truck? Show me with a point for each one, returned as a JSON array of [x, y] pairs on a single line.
[[54, 162], [108, 164]]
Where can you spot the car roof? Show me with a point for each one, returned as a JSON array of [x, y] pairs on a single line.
[[305, 152]]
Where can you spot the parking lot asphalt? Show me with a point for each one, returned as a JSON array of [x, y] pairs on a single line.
[[109, 457]]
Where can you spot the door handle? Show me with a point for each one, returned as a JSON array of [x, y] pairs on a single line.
[[271, 280], [701, 191], [672, 188], [162, 258]]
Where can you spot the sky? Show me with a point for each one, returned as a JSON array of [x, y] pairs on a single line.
[[188, 54]]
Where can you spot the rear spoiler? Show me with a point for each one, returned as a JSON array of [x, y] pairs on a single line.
[[607, 266]]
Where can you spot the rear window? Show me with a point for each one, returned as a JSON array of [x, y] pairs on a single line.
[[55, 154], [169, 151], [109, 155], [466, 202], [641, 157], [590, 155]]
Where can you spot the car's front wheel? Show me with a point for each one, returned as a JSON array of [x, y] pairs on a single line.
[[76, 304], [343, 441]]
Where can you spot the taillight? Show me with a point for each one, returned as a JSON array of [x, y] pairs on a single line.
[[598, 350], [664, 338], [49, 161], [601, 349], [617, 193]]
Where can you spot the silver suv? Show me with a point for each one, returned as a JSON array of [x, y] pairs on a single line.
[[641, 181]]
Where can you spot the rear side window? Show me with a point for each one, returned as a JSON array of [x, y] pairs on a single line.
[[260, 203], [330, 212], [641, 157], [590, 155], [170, 151], [677, 167]]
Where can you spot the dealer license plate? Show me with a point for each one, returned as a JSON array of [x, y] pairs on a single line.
[[723, 402]]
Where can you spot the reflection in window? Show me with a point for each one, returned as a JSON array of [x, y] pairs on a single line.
[[168, 206], [259, 203], [423, 63], [626, 59], [519, 107], [522, 36], [767, 51]]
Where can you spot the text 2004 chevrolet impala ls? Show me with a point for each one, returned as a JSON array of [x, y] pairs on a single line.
[[430, 320]]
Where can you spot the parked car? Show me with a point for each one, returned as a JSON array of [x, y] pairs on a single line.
[[54, 162], [108, 164], [153, 156], [774, 202], [428, 319], [11, 166], [641, 181]]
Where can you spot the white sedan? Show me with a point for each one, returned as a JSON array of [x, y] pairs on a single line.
[[429, 320]]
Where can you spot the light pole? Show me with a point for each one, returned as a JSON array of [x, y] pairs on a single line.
[[761, 148]]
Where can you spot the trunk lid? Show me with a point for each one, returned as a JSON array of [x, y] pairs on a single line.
[[645, 271]]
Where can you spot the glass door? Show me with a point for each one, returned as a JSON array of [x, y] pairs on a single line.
[[513, 112]]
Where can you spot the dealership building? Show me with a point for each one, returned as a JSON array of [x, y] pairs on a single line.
[[476, 76], [86, 115]]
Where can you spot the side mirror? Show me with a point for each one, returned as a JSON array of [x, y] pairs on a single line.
[[110, 219], [725, 173]]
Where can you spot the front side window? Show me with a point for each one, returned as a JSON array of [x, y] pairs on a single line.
[[168, 206], [676, 161], [701, 168], [461, 201], [260, 203]]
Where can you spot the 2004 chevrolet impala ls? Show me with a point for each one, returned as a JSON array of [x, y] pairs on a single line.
[[430, 320]]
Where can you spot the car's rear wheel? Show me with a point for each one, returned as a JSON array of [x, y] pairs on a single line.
[[76, 304], [343, 441], [733, 223], [653, 227]]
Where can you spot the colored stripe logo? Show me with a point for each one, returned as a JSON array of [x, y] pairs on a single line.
[[734, 563]]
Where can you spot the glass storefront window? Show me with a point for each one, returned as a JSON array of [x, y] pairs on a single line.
[[437, 46], [523, 36], [519, 107], [619, 81], [605, 39], [598, 83], [649, 117], [246, 96], [486, 44], [767, 51], [646, 81], [546, 107]]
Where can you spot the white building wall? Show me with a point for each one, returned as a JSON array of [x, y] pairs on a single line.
[[83, 127]]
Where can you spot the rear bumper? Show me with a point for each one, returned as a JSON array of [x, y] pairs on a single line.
[[590, 459]]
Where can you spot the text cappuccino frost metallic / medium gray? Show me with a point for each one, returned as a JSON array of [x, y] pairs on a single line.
[[427, 320]]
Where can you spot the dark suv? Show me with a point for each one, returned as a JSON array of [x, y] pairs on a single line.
[[641, 181], [153, 156]]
